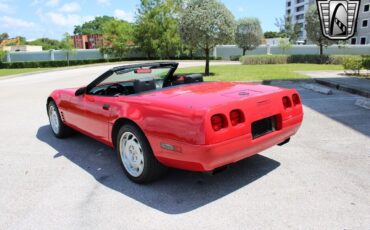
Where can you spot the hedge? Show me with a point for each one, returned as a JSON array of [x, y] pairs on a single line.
[[264, 59], [235, 57], [286, 59], [356, 63], [353, 63], [366, 63], [312, 59], [63, 63]]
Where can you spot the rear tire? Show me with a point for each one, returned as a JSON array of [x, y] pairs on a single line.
[[59, 129], [136, 156]]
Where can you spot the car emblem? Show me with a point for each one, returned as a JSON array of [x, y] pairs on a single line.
[[338, 18]]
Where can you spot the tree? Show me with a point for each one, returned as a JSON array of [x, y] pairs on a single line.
[[4, 36], [2, 55], [67, 46], [156, 29], [117, 36], [22, 40], [47, 44], [271, 34], [288, 29], [92, 27], [284, 44], [206, 23], [248, 34], [313, 28]]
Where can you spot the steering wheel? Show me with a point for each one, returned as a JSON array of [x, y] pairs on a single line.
[[116, 89]]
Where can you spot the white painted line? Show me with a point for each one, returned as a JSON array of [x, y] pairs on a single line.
[[364, 103]]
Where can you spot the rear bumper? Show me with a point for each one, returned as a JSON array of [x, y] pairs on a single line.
[[209, 157]]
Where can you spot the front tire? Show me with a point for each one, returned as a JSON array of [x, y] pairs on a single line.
[[136, 156], [59, 129]]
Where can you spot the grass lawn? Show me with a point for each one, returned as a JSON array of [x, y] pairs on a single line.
[[6, 72], [230, 72], [258, 72]]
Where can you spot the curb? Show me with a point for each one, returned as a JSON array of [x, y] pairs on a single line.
[[269, 82], [317, 88], [342, 87]]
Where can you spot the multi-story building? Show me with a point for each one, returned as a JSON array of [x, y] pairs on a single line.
[[362, 36], [296, 10]]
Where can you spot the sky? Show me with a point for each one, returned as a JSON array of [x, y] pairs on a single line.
[[52, 18]]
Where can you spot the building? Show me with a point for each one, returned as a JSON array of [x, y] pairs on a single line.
[[296, 10], [94, 41], [21, 48], [362, 36]]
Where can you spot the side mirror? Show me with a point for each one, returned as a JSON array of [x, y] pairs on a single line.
[[80, 91]]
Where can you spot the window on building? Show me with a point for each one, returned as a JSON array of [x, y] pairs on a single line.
[[299, 17], [363, 41], [299, 1], [288, 12], [299, 9], [353, 41], [289, 4], [365, 23], [366, 8]]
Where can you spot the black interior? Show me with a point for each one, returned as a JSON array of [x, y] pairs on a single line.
[[143, 85], [187, 79]]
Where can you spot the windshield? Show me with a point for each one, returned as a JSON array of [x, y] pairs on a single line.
[[131, 81], [128, 75]]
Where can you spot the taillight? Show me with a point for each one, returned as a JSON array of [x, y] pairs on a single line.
[[296, 100], [286, 102], [236, 117], [218, 122]]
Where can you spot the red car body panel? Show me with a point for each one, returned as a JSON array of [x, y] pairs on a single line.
[[181, 117]]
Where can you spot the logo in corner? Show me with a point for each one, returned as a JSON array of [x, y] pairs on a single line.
[[338, 18]]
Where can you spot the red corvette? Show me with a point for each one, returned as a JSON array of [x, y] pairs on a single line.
[[156, 119]]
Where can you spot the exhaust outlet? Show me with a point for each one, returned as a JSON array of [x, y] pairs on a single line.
[[284, 142], [217, 170]]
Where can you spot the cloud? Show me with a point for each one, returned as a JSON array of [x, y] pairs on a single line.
[[241, 9], [127, 16], [63, 20], [67, 20], [6, 8], [103, 2], [70, 7], [50, 3], [9, 22]]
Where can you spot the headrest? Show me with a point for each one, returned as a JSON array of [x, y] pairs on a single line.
[[192, 78], [144, 84]]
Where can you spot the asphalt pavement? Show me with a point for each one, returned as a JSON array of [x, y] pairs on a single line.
[[320, 180], [339, 80]]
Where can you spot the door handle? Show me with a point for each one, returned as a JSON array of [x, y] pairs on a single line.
[[106, 107]]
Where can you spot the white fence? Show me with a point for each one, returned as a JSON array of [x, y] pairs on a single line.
[[224, 51]]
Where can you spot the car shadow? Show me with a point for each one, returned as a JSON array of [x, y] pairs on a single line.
[[177, 192]]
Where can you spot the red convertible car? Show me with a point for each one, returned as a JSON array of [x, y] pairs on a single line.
[[156, 119]]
